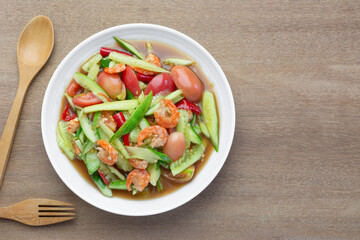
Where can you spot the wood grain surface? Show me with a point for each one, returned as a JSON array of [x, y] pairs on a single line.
[[294, 168]]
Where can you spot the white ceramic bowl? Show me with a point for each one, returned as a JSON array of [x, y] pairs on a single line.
[[64, 73]]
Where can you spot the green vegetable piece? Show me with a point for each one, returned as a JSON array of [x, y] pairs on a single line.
[[144, 123], [175, 97], [96, 120], [87, 127], [92, 162], [154, 173], [112, 64], [183, 126], [105, 62], [147, 154], [178, 61], [204, 129], [69, 99], [91, 85], [101, 185], [78, 133], [79, 144], [116, 172], [113, 106], [134, 119], [102, 135], [134, 134], [64, 139], [94, 60], [159, 186], [193, 136], [134, 62], [105, 170], [210, 115], [129, 95], [118, 184], [129, 47], [188, 159], [93, 72], [87, 148]]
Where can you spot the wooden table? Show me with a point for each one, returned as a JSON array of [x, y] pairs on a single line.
[[294, 168]]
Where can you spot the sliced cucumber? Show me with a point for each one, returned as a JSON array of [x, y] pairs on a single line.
[[118, 184], [69, 99], [123, 163], [93, 72], [175, 97], [134, 134], [92, 162], [102, 135], [91, 85], [154, 172], [94, 60], [113, 106], [134, 62], [183, 126], [64, 139], [129, 47], [112, 64], [188, 159], [87, 147], [101, 185], [178, 61], [104, 169], [147, 154], [77, 135], [144, 124], [116, 172], [210, 115], [87, 128], [204, 129], [193, 136], [79, 145], [96, 120]]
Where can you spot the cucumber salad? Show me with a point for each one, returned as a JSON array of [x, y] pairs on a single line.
[[137, 121]]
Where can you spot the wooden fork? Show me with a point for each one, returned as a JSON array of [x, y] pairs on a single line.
[[39, 211]]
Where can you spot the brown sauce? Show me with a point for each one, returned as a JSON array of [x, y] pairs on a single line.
[[163, 51]]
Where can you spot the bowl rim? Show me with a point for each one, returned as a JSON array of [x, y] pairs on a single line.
[[171, 31]]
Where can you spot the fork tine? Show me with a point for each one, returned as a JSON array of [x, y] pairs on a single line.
[[56, 209], [51, 202], [56, 214]]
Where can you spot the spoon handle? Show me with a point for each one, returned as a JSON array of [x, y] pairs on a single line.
[[7, 137]]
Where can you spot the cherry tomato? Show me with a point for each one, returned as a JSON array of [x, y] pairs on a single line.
[[68, 113], [74, 88], [144, 78], [88, 99], [175, 146], [112, 84], [162, 83], [131, 83], [109, 120], [186, 80]]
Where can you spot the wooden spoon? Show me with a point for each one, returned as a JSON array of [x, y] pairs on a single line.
[[33, 50]]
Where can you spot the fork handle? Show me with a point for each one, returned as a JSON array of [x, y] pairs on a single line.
[[5, 213], [7, 137]]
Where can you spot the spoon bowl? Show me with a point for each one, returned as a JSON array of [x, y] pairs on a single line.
[[34, 48]]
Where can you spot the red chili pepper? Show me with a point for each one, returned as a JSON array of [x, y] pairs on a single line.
[[103, 178], [187, 105], [144, 78], [120, 120], [68, 113], [106, 51]]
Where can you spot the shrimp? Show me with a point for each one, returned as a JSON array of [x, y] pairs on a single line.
[[115, 69], [167, 115], [74, 125], [138, 163], [151, 58], [76, 148], [139, 178], [107, 154], [158, 136]]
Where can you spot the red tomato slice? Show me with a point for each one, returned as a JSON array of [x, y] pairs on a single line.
[[68, 113], [131, 83], [74, 88], [88, 99], [162, 83]]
